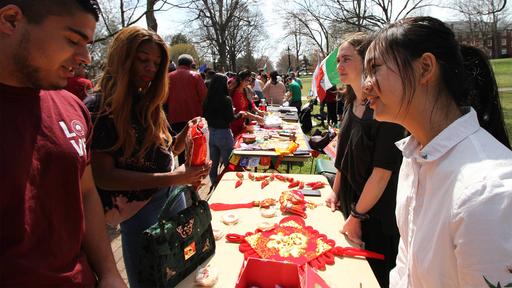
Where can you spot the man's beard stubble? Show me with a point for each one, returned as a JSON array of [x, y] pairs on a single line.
[[30, 74]]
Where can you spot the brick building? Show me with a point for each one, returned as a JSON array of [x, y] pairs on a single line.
[[482, 39]]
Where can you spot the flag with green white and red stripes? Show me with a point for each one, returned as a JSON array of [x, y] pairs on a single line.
[[325, 75]]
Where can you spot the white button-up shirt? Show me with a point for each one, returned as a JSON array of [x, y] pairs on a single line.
[[454, 210]]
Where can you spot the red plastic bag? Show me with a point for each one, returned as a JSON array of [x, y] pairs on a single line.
[[197, 144]]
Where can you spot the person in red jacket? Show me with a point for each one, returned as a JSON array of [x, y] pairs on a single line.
[[187, 92], [243, 103], [52, 229]]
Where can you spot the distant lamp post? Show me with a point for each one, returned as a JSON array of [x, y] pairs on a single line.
[[289, 60], [213, 59]]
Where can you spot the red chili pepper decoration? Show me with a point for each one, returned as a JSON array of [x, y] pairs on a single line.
[[290, 179], [280, 177], [294, 184], [318, 186], [264, 183], [272, 176], [240, 175], [313, 183], [238, 183], [251, 176], [261, 177], [301, 185]]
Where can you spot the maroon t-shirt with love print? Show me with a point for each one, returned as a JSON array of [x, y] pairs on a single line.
[[43, 154]]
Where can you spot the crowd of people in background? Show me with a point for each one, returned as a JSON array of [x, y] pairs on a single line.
[[424, 166]]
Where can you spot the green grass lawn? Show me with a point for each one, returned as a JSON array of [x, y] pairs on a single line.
[[306, 85], [503, 71]]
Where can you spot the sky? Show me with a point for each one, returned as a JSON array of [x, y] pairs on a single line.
[[174, 21]]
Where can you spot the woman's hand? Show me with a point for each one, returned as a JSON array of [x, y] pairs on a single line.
[[191, 174], [243, 114], [194, 121], [332, 201], [253, 117], [352, 231], [258, 119], [261, 113]]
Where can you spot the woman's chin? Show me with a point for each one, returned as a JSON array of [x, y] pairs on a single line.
[[377, 112]]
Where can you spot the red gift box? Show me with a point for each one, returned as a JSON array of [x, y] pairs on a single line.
[[264, 273], [312, 279]]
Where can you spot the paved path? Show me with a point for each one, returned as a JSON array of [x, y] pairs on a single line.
[[115, 238]]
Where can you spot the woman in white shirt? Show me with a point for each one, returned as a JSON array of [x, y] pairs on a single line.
[[454, 198]]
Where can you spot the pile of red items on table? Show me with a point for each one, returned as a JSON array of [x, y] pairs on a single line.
[[293, 201], [293, 241], [267, 178], [197, 144]]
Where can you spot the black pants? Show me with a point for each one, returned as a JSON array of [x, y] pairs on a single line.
[[380, 241], [177, 127], [297, 104], [332, 118]]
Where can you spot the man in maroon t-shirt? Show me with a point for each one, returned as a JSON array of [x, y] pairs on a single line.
[[187, 92], [52, 229]]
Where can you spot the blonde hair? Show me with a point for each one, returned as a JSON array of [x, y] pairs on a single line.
[[118, 92]]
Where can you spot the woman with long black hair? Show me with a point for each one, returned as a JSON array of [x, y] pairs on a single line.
[[242, 102], [218, 111], [454, 199]]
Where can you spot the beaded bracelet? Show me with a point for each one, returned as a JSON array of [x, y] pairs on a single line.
[[357, 215]]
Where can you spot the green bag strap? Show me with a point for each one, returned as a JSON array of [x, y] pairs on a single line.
[[175, 193]]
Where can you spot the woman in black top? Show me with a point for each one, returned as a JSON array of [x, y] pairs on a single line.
[[218, 111], [367, 165]]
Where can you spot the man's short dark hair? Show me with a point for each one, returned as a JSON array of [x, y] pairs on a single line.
[[37, 11], [185, 60]]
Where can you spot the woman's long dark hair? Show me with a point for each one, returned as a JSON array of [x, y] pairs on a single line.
[[408, 39], [482, 92], [240, 77], [404, 41], [273, 77], [217, 93]]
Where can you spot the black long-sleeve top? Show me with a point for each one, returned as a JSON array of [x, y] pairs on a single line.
[[219, 115]]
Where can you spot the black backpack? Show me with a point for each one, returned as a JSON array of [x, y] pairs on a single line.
[[305, 118]]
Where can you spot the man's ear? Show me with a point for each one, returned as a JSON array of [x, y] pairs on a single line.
[[10, 17], [428, 67]]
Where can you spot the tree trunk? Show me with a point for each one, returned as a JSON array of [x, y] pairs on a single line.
[[150, 15], [121, 7], [232, 61], [222, 62]]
